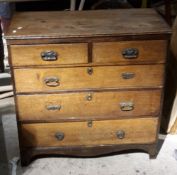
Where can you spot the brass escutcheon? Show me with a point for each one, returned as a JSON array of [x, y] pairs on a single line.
[[90, 70], [89, 97], [120, 134], [59, 136]]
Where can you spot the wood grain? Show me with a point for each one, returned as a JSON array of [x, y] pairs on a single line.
[[101, 133], [87, 40], [165, 36], [74, 106], [32, 80], [30, 154], [86, 24], [149, 51], [30, 55]]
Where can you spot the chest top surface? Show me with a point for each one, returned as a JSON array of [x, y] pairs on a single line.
[[36, 25]]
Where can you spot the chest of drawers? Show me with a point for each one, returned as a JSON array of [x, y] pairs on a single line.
[[87, 83]]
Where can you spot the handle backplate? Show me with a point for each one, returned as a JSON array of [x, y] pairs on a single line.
[[49, 55], [52, 81], [128, 75], [126, 106], [53, 107], [130, 53]]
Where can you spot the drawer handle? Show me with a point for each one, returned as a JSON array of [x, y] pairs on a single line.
[[90, 70], [89, 97], [52, 81], [49, 55], [59, 136], [53, 107], [128, 75], [130, 53], [120, 134], [127, 106]]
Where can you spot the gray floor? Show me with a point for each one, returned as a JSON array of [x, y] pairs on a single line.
[[124, 164]]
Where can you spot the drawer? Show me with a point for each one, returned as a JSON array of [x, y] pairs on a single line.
[[88, 106], [54, 79], [129, 131], [130, 52], [51, 54]]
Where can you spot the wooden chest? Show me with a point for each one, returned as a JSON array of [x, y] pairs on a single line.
[[87, 83]]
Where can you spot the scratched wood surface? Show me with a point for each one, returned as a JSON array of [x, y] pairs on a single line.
[[149, 51], [76, 106], [103, 77], [101, 133], [152, 51], [53, 97], [26, 55], [86, 24]]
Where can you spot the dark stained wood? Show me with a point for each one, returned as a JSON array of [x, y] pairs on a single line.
[[135, 62], [1, 52], [80, 119], [108, 89], [86, 24], [90, 52], [164, 36], [172, 128], [29, 154], [16, 105], [93, 90]]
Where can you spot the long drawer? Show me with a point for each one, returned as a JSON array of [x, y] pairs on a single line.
[[88, 106], [53, 79], [130, 52], [49, 54], [134, 131]]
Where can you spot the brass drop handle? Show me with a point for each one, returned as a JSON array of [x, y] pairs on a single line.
[[52, 81], [59, 136], [90, 70], [130, 53], [128, 75], [120, 134], [53, 107], [126, 106], [49, 55], [89, 97]]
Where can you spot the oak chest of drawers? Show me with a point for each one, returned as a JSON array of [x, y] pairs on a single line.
[[87, 83]]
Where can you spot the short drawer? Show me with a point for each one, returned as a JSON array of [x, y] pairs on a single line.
[[130, 52], [51, 54], [129, 131], [88, 106], [55, 79]]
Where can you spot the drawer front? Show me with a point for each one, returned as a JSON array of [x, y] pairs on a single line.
[[88, 106], [129, 131], [52, 54], [53, 79], [130, 52]]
